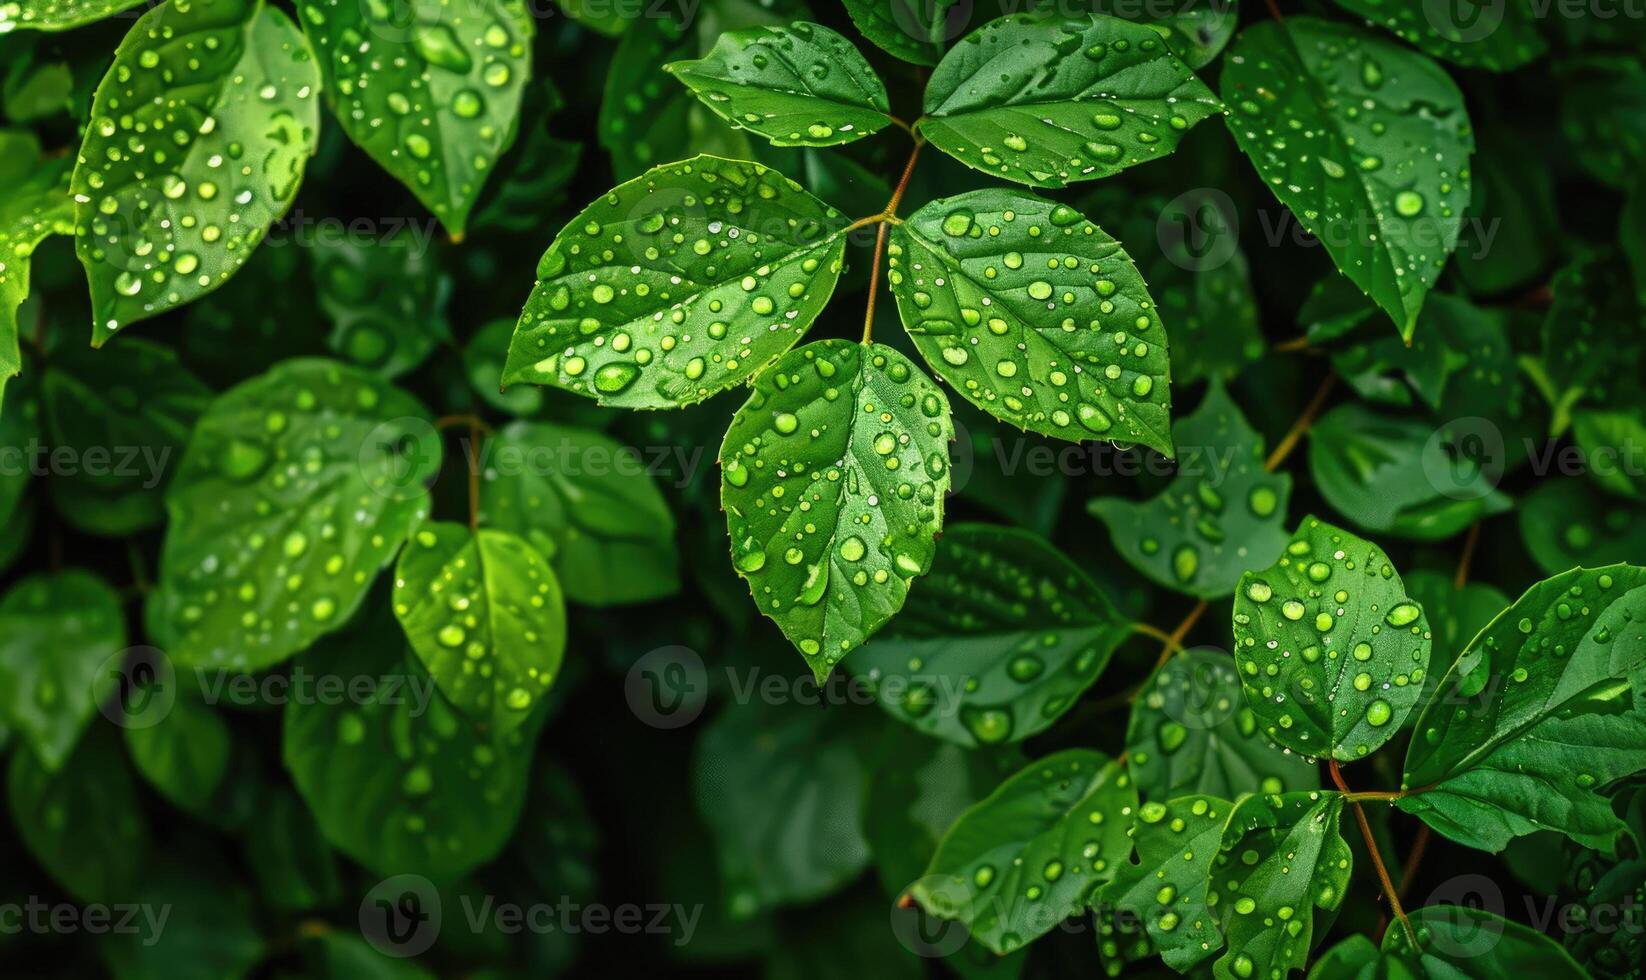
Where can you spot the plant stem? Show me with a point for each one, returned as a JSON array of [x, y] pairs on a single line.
[[1157, 633], [1274, 11], [1414, 858], [1469, 543], [1377, 857], [885, 218], [1173, 641], [1301, 426], [874, 282]]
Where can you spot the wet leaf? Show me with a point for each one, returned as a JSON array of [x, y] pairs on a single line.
[[297, 487], [384, 297], [1035, 315], [1222, 514], [1332, 653], [433, 96], [797, 85], [1614, 445], [1168, 884], [483, 611], [33, 206], [1453, 941], [678, 285], [1568, 521], [587, 502], [833, 478], [57, 636], [1501, 37], [914, 30], [58, 15], [999, 640], [185, 755], [1366, 141], [1017, 864], [1540, 712], [83, 822], [195, 146], [1047, 101]]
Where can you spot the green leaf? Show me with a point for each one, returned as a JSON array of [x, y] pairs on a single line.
[[590, 504], [1064, 341], [19, 425], [678, 285], [401, 782], [1455, 616], [483, 611], [1169, 883], [1539, 713], [610, 19], [1222, 514], [1590, 350], [57, 636], [210, 930], [833, 478], [782, 792], [1198, 30], [290, 860], [1047, 101], [1402, 475], [198, 139], [1001, 638], [1614, 445], [797, 85], [385, 299], [1332, 653], [185, 755], [1028, 856], [1366, 141], [1456, 943], [1191, 733], [534, 176], [33, 206], [1499, 37], [1509, 243], [1568, 521], [133, 409], [297, 487], [1282, 856], [83, 823], [1601, 113], [58, 15], [916, 31], [483, 363], [448, 88]]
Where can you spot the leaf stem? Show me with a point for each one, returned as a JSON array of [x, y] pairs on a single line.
[[874, 282], [1462, 577], [1274, 11], [1301, 426], [1173, 641], [1157, 633], [1377, 857], [886, 217]]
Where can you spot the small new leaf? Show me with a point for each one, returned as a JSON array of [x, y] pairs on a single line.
[[1332, 653], [833, 477], [799, 85], [1540, 712], [1047, 101], [677, 285], [1036, 316], [1018, 863], [483, 611], [198, 139], [1001, 639], [1367, 141]]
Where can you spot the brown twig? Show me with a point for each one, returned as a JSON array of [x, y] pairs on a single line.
[[1389, 891], [1301, 426], [1274, 11], [1462, 577], [886, 217]]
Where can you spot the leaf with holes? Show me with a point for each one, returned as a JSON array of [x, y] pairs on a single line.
[[1047, 101], [833, 477], [483, 611], [1192, 732], [198, 139], [1368, 143], [1540, 713], [432, 97], [1035, 315], [1282, 857], [797, 85], [999, 640], [1169, 884], [296, 488], [677, 285], [1221, 516], [1332, 653], [1028, 856]]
